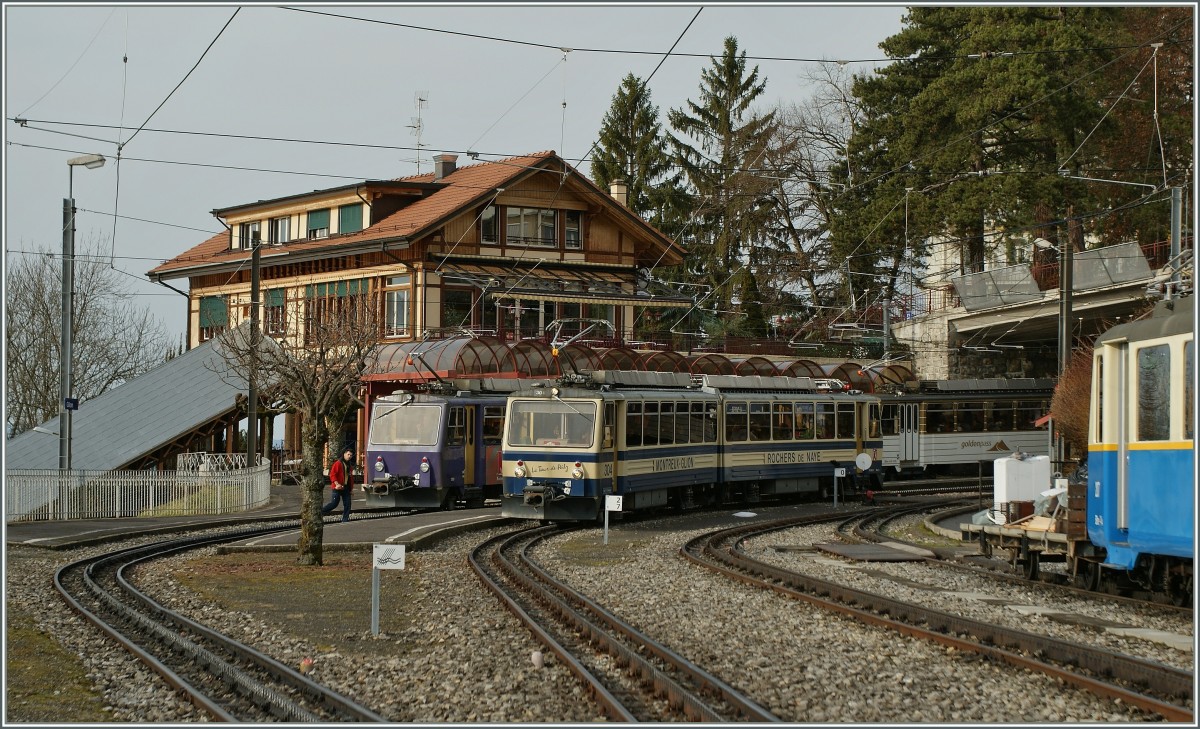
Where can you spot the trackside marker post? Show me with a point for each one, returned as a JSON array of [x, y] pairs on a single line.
[[838, 473], [384, 557], [612, 502]]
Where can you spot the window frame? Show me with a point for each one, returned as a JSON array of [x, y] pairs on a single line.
[[316, 233], [280, 230], [248, 233], [391, 290], [523, 214]]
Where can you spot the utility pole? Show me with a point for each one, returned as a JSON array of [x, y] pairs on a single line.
[[252, 393]]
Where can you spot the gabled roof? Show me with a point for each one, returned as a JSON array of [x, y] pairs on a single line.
[[457, 191]]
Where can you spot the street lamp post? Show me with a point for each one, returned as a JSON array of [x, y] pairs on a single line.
[[90, 161], [1064, 300]]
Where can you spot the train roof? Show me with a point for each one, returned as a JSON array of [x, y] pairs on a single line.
[[1170, 317]]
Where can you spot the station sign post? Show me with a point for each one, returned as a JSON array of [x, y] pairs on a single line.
[[612, 502], [384, 557]]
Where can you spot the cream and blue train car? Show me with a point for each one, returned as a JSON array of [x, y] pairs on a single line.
[[1141, 496], [663, 440]]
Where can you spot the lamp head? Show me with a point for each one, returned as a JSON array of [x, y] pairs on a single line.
[[90, 161], [1044, 244]]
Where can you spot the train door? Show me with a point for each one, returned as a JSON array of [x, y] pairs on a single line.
[[608, 448], [909, 427], [469, 448]]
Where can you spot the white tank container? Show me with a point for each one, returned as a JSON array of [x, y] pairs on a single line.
[[1021, 480]]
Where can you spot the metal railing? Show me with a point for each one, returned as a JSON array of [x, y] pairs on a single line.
[[45, 495]]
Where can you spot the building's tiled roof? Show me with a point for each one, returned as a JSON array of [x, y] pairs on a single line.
[[463, 187]]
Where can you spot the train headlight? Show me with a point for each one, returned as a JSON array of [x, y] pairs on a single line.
[[424, 465], [379, 464], [519, 471], [577, 473]]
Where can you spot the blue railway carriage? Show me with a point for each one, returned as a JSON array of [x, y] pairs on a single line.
[[432, 450], [663, 440], [949, 426], [1141, 490]]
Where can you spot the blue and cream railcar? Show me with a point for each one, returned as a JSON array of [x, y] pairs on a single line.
[[1141, 496], [428, 451], [657, 439], [940, 426], [782, 435]]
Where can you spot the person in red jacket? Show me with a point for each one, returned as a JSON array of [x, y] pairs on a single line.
[[342, 482]]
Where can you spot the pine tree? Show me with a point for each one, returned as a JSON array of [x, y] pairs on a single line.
[[730, 141], [631, 148]]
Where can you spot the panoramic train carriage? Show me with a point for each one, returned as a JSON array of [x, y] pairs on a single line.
[[1141, 505], [434, 449], [944, 426], [658, 439]]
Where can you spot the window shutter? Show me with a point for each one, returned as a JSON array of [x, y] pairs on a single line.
[[275, 297], [213, 312], [350, 218], [318, 219]]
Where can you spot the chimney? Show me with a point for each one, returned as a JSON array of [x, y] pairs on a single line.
[[443, 164], [620, 191]]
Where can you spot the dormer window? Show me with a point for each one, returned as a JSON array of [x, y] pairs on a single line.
[[573, 230], [318, 223], [488, 233], [350, 218], [249, 235], [530, 227], [281, 230]]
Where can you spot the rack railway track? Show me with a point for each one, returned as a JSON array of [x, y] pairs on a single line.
[[1148, 685], [631, 676], [225, 679]]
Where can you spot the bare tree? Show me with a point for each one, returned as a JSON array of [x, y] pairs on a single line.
[[316, 368], [114, 338]]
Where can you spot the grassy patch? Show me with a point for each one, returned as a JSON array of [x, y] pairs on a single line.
[[44, 682], [206, 500], [317, 604]]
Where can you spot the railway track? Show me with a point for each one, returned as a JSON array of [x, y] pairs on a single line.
[[1150, 686], [875, 530], [222, 677], [631, 676]]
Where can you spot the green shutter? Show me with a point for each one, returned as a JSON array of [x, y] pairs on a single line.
[[337, 288], [275, 297], [350, 218], [213, 312], [318, 219]]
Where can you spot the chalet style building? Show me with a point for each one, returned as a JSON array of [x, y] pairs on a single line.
[[501, 248]]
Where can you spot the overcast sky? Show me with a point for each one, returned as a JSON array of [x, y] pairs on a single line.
[[296, 75]]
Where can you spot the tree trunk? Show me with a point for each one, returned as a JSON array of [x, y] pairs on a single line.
[[312, 483]]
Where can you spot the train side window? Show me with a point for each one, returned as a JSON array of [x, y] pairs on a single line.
[[710, 422], [682, 424], [650, 423], [845, 420], [782, 422], [1189, 410], [493, 424], [1154, 393], [825, 421], [1028, 411], [456, 426], [610, 422], [891, 419], [1098, 398], [938, 417], [1001, 415], [633, 424], [760, 421], [666, 424], [805, 421], [699, 431], [735, 421], [873, 423], [970, 417]]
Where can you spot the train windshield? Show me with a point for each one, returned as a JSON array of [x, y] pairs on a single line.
[[552, 423], [405, 425]]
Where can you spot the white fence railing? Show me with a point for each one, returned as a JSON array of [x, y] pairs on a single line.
[[37, 495]]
